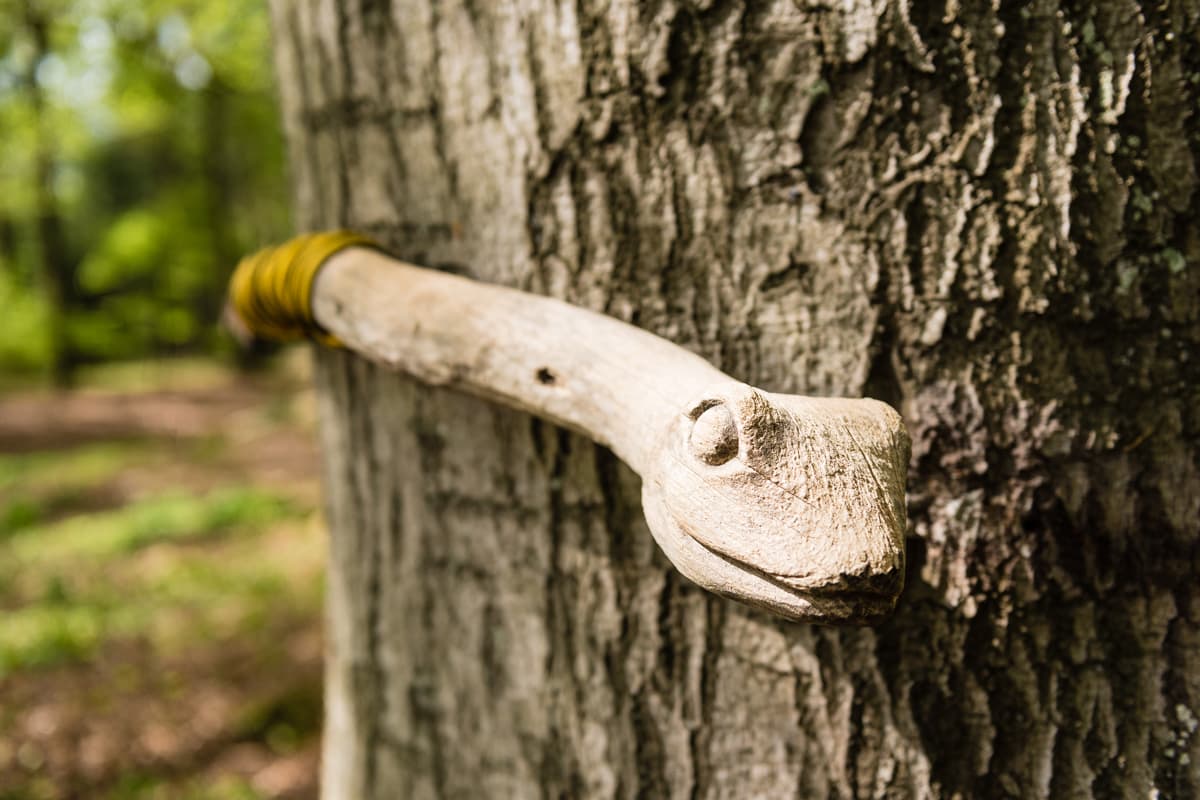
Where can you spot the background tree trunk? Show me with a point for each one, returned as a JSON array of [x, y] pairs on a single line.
[[57, 269], [984, 213]]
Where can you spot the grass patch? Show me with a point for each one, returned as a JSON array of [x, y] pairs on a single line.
[[80, 466], [44, 635], [129, 572], [169, 517], [39, 487], [147, 375], [135, 786], [18, 514]]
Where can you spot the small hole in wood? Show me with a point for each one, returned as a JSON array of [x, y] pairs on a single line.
[[546, 377]]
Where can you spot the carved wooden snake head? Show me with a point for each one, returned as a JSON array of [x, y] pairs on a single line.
[[791, 504]]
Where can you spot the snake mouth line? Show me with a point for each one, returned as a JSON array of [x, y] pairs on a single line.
[[830, 604]]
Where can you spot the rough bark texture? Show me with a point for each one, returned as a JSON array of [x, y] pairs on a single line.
[[983, 213]]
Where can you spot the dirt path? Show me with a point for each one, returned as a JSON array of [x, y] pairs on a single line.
[[44, 420]]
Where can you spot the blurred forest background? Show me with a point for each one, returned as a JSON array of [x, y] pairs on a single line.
[[160, 554], [142, 155]]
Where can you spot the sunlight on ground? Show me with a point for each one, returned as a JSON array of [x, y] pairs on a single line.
[[161, 592]]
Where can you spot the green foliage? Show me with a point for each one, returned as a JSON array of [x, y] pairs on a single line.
[[157, 126], [24, 339]]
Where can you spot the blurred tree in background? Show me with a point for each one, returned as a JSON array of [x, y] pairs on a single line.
[[140, 154]]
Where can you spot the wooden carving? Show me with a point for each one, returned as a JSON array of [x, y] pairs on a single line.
[[791, 504]]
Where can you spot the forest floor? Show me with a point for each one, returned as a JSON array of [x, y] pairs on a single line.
[[161, 566]]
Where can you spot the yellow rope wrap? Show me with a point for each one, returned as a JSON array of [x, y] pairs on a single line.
[[271, 290]]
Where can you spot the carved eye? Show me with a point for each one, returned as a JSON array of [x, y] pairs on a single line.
[[714, 436]]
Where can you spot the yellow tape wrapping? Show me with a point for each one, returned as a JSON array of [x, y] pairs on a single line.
[[271, 290]]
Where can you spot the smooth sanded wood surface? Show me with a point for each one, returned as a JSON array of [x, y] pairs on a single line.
[[791, 504]]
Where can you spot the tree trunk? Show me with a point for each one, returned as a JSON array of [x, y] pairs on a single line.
[[57, 269], [982, 213]]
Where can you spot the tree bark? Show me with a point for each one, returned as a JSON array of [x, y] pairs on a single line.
[[983, 213]]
